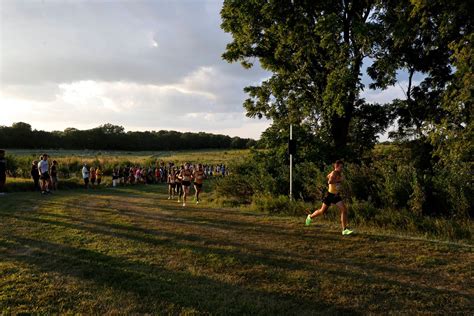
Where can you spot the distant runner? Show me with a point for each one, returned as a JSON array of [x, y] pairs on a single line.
[[186, 176], [198, 177], [332, 197], [171, 183], [179, 186]]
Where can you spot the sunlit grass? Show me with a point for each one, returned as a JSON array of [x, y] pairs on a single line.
[[130, 250]]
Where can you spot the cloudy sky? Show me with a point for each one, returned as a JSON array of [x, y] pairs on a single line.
[[145, 65]]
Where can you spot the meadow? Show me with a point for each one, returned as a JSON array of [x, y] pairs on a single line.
[[206, 155], [71, 161], [131, 250]]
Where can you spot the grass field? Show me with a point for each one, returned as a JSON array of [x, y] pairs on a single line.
[[209, 156], [130, 250]]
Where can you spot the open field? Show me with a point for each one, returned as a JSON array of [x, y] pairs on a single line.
[[204, 156], [130, 250], [70, 162]]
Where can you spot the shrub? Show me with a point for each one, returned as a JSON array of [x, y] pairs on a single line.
[[278, 205], [362, 211], [236, 189]]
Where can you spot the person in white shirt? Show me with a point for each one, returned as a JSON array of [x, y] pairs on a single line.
[[85, 176], [43, 169]]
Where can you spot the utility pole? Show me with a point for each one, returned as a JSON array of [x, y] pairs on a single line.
[[290, 150]]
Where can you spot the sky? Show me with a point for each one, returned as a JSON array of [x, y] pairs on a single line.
[[144, 65]]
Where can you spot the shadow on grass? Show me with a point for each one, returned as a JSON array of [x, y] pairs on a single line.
[[156, 284], [248, 255], [209, 295]]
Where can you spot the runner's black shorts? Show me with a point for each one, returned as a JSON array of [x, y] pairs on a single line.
[[172, 185], [44, 176], [198, 185], [186, 183], [331, 198]]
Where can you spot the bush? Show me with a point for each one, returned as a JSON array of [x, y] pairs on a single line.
[[236, 189], [278, 205], [362, 211]]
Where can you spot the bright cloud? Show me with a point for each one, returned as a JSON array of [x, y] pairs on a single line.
[[143, 65]]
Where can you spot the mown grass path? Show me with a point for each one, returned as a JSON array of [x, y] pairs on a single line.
[[131, 250]]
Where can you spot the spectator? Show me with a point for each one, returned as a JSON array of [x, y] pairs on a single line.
[[54, 175], [98, 174], [43, 168], [115, 177], [35, 175], [92, 176], [85, 176]]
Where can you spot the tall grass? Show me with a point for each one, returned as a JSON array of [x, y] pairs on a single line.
[[70, 163]]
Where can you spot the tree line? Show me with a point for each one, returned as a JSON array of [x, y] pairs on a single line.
[[114, 137]]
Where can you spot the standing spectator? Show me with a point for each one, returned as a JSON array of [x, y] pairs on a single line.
[[115, 177], [3, 171], [157, 175], [223, 171], [121, 175], [163, 174], [143, 175], [92, 175], [131, 175], [137, 175], [35, 175], [126, 174], [85, 176], [43, 168], [54, 175], [98, 174]]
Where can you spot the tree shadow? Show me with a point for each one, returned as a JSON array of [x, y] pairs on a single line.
[[155, 283]]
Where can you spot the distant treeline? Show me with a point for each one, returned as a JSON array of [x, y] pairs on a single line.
[[113, 137]]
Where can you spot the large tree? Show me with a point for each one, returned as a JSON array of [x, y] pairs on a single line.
[[315, 51], [419, 37]]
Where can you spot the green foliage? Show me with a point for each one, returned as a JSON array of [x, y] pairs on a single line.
[[314, 50], [278, 205], [387, 191], [235, 189]]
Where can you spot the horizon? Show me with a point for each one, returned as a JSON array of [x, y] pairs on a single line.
[[125, 130]]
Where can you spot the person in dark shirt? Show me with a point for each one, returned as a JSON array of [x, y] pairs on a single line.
[[54, 175], [35, 175], [3, 170]]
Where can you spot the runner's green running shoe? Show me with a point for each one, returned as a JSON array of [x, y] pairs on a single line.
[[347, 231], [308, 220]]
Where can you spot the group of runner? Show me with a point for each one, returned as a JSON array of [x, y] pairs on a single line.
[[179, 181]]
